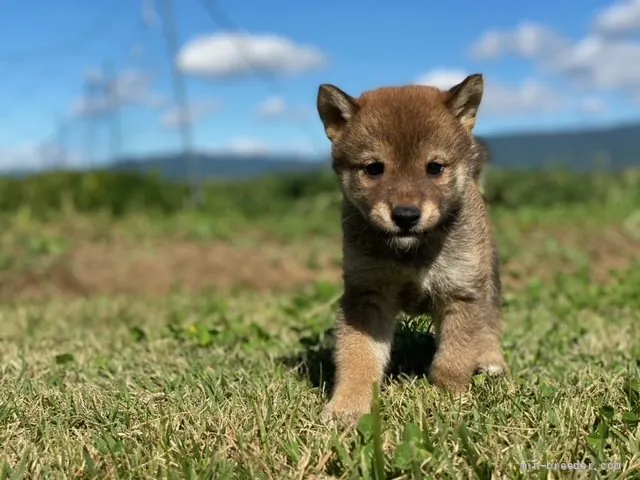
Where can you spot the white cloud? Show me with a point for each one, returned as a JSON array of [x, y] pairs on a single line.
[[94, 76], [130, 87], [442, 78], [88, 107], [275, 107], [31, 156], [528, 40], [600, 61], [246, 146], [134, 87], [593, 105], [622, 18], [176, 117], [149, 14], [272, 107], [596, 63], [232, 55], [529, 96], [303, 148]]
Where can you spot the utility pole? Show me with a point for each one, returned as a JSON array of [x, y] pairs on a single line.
[[180, 95], [112, 103], [44, 155], [88, 123], [62, 145]]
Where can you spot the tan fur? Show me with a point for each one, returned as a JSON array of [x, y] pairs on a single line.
[[445, 265]]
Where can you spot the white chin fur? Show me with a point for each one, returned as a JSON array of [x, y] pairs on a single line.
[[405, 243]]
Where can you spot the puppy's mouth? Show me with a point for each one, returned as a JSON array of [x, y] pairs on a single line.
[[398, 232], [405, 234], [405, 239]]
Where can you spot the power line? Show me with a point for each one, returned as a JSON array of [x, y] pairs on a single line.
[[113, 110], [62, 143], [44, 75], [89, 124], [180, 94], [54, 149], [100, 24], [221, 18]]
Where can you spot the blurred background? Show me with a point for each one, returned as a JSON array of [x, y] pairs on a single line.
[[149, 146], [170, 237]]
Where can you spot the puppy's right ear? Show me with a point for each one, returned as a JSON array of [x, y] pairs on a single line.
[[336, 109]]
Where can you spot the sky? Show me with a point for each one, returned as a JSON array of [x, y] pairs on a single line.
[[252, 69]]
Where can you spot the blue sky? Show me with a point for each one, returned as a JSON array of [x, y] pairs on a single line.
[[547, 65]]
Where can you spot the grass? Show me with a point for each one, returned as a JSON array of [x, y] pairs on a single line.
[[206, 383]]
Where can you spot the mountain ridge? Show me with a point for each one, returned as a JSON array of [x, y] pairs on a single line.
[[613, 147]]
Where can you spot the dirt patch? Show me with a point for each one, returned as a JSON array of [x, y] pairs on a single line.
[[545, 254], [123, 267], [158, 269]]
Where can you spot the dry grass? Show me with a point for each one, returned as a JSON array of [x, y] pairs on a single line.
[[150, 355]]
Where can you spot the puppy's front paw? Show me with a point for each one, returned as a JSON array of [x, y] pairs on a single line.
[[494, 369], [346, 411], [450, 376], [493, 364]]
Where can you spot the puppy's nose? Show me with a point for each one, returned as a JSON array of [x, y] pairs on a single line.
[[405, 217]]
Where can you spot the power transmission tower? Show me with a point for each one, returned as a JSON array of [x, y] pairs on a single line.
[[88, 123], [180, 94], [62, 147], [112, 110]]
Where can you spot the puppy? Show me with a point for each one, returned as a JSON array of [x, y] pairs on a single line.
[[417, 236]]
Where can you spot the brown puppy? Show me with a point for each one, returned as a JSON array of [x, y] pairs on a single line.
[[416, 234]]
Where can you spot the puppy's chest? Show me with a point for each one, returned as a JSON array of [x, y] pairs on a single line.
[[415, 280], [445, 277]]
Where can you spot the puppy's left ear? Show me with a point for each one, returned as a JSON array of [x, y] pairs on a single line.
[[336, 109], [464, 100]]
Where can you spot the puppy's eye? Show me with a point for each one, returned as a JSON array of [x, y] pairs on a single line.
[[374, 169], [435, 169]]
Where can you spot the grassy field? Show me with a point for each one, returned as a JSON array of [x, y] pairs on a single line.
[[157, 343]]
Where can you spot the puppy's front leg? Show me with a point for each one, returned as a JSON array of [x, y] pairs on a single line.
[[364, 334], [468, 337]]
